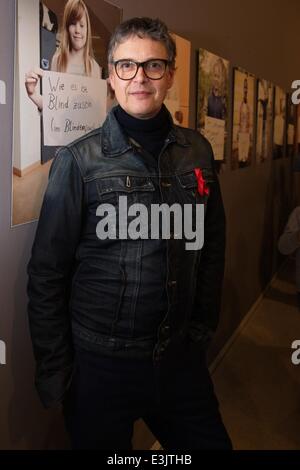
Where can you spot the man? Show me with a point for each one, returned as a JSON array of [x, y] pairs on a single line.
[[216, 103], [119, 325]]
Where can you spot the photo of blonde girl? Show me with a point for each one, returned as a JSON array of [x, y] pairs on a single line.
[[64, 41], [75, 52]]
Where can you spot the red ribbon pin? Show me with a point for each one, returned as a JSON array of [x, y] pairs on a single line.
[[202, 188]]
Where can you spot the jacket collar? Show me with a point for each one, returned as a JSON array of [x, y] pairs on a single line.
[[115, 142]]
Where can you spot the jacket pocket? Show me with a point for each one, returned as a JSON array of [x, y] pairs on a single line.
[[112, 187], [129, 196], [188, 182], [189, 187]]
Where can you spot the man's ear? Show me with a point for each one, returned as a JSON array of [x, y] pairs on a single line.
[[111, 78], [171, 77], [110, 90]]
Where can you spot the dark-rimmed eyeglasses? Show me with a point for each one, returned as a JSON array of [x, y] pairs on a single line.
[[126, 69]]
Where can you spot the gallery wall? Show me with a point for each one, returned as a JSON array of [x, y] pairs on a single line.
[[263, 38], [26, 119]]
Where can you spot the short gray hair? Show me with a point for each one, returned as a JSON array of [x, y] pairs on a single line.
[[143, 28]]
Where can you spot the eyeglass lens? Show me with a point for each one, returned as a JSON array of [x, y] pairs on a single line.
[[154, 69]]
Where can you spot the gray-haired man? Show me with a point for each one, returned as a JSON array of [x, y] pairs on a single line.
[[120, 325]]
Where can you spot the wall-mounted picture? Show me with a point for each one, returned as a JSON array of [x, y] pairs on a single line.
[[243, 118], [178, 97], [264, 121], [291, 116], [279, 123], [60, 85], [213, 100]]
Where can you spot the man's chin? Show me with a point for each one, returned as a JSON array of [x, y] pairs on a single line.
[[142, 112]]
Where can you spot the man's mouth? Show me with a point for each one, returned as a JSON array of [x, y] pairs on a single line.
[[142, 93]]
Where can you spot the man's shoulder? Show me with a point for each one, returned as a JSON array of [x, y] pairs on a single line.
[[86, 150], [87, 145], [198, 150], [93, 136], [196, 140]]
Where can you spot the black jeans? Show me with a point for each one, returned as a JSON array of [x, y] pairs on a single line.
[[175, 398]]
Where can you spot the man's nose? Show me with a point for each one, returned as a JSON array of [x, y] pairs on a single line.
[[140, 75]]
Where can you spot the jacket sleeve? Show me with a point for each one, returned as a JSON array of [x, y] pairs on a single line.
[[206, 310], [49, 277], [290, 239]]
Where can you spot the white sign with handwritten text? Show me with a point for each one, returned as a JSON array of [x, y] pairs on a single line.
[[72, 106]]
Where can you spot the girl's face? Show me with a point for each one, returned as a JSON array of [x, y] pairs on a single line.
[[78, 33]]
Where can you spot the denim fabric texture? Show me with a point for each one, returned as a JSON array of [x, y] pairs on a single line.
[[115, 296]]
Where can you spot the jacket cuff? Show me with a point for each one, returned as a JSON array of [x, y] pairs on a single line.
[[52, 389]]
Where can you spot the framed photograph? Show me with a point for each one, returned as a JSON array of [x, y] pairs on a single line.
[[178, 97], [61, 91], [243, 118], [264, 120], [213, 100], [279, 129]]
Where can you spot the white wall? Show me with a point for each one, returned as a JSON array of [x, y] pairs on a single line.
[[26, 119], [2, 92]]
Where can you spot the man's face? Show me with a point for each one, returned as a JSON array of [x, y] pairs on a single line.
[[141, 97]]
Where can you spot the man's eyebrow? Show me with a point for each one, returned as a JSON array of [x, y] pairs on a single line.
[[134, 60], [126, 58]]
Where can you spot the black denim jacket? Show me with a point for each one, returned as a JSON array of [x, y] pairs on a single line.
[[84, 291]]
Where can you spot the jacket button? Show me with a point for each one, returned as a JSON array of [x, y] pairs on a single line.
[[172, 283], [158, 352], [165, 329], [165, 184]]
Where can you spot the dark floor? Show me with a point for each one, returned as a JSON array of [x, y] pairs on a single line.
[[256, 382], [257, 385]]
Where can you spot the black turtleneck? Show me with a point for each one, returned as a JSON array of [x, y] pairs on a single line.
[[149, 133]]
